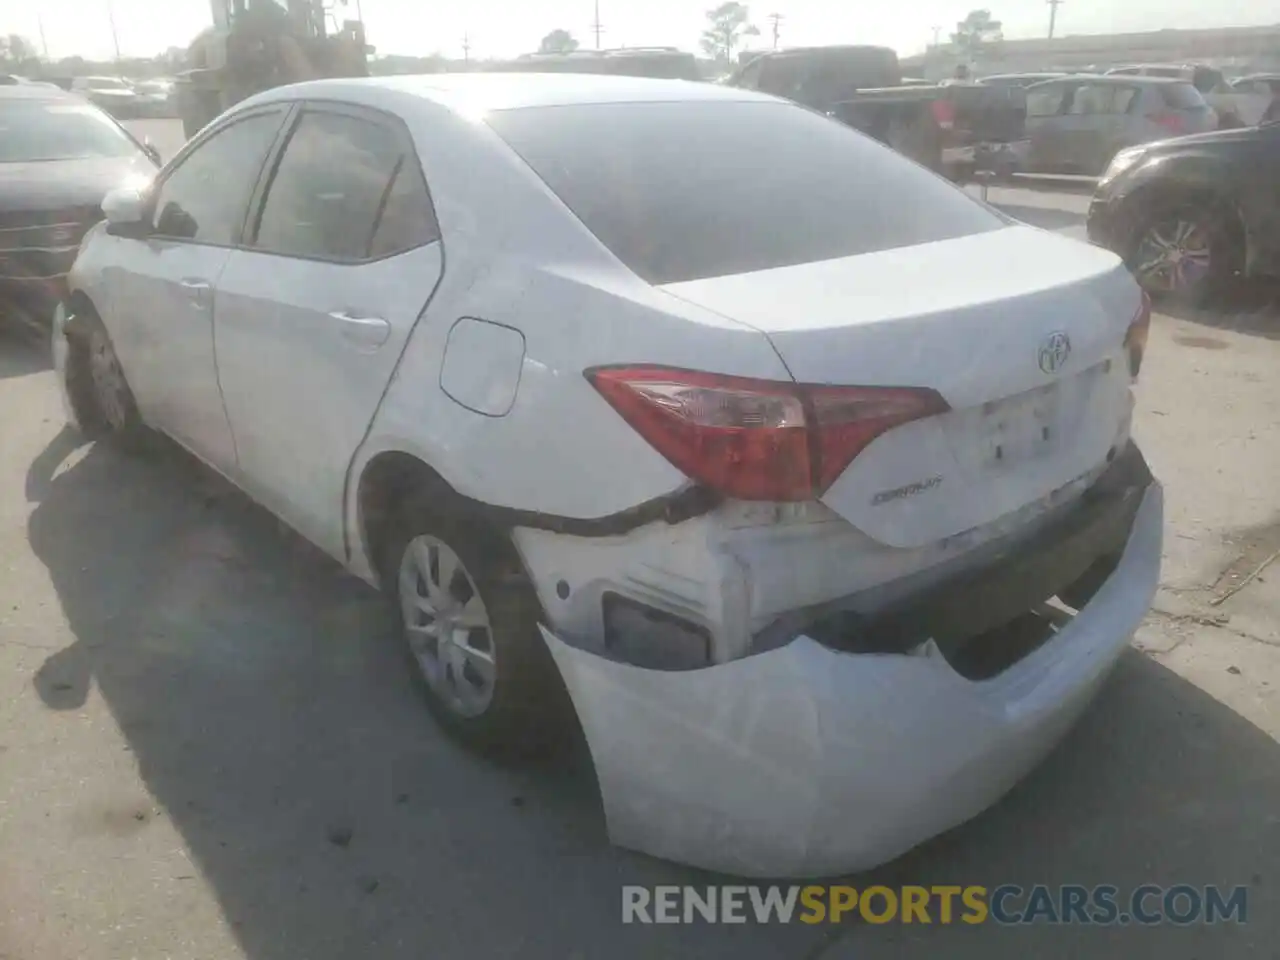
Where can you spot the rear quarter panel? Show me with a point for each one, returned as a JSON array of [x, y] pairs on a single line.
[[515, 256]]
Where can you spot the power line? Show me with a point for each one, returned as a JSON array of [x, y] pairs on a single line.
[[1053, 14], [775, 19]]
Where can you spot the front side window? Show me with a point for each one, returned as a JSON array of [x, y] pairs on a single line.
[[33, 131], [346, 189], [205, 197]]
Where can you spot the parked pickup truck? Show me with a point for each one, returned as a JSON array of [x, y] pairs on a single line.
[[946, 127]]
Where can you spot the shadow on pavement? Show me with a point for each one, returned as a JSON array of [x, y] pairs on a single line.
[[1251, 308], [263, 695], [22, 351], [1161, 784]]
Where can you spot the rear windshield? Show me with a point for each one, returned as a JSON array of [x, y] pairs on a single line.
[[1182, 96], [694, 189]]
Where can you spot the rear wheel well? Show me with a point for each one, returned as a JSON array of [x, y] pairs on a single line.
[[387, 481]]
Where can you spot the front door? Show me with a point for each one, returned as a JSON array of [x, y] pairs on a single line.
[[163, 288], [313, 315], [1046, 104]]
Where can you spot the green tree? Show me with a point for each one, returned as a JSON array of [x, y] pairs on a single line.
[[16, 52], [975, 33], [730, 22], [558, 41]]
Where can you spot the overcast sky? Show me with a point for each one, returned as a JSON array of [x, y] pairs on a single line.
[[509, 27]]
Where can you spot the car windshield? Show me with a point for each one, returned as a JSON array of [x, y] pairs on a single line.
[[34, 131], [683, 191]]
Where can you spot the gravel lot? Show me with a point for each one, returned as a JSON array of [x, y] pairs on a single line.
[[208, 748]]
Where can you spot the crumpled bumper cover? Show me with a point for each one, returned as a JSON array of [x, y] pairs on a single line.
[[806, 761]]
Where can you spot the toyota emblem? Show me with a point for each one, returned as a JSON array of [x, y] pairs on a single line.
[[1054, 352]]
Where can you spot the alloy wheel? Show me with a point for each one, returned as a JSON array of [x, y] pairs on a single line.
[[447, 626], [1174, 256]]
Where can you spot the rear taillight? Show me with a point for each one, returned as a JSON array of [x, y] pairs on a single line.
[[757, 439], [944, 111], [1175, 123], [1135, 338]]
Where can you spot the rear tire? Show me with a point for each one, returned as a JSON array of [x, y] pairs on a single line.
[[469, 617]]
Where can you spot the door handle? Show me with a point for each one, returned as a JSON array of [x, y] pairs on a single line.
[[198, 290], [367, 332]]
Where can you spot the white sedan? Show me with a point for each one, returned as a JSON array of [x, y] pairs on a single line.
[[803, 477]]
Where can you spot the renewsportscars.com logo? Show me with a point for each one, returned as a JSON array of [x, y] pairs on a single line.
[[1103, 905]]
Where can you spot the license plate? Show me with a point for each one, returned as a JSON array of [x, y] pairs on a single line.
[[1020, 428]]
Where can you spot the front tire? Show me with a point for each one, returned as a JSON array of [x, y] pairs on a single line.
[[469, 619], [96, 385], [1185, 252]]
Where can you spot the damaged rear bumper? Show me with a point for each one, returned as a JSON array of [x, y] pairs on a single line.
[[807, 760]]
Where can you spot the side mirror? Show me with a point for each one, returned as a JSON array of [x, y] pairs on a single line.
[[152, 151], [124, 208]]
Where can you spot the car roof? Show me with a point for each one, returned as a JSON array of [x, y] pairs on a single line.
[[507, 91], [1112, 78]]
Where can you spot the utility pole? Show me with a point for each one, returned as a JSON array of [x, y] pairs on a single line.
[[1053, 15], [115, 37], [596, 26], [44, 44], [466, 48], [775, 19]]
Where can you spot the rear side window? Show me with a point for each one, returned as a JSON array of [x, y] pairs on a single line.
[[1045, 100], [1094, 99], [682, 191], [1181, 96], [1208, 81], [344, 187]]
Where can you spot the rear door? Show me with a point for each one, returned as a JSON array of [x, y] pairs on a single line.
[[341, 257]]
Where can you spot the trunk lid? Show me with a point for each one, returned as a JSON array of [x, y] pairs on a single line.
[[1021, 331]]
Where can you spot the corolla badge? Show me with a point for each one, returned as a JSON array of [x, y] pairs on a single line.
[[1054, 352]]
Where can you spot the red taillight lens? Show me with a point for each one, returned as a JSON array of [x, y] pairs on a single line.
[[944, 111], [757, 439], [1175, 123], [1135, 338]]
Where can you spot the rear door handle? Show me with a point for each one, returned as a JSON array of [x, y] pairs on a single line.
[[367, 332]]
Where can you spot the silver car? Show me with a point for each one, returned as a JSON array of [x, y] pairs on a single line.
[[1076, 124]]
